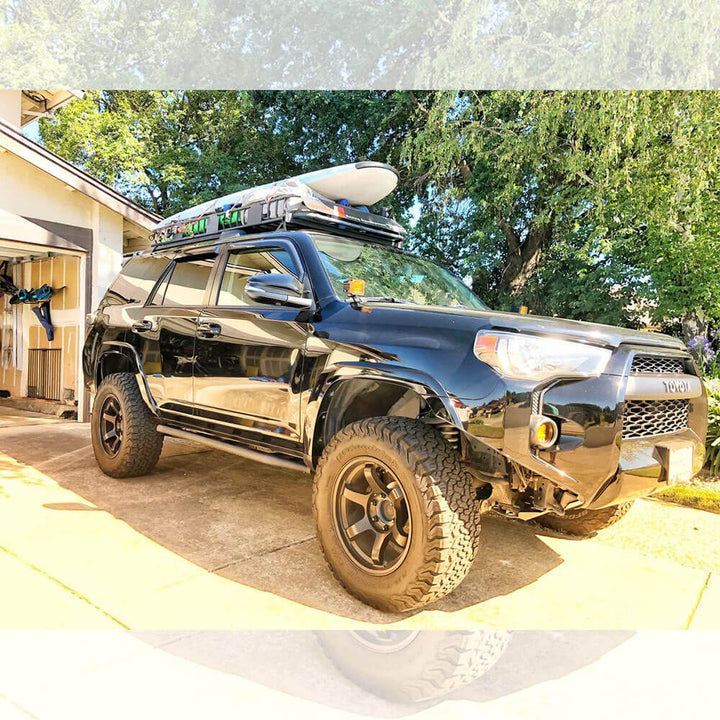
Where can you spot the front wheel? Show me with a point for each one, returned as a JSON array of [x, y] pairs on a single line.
[[125, 440], [396, 514], [583, 523]]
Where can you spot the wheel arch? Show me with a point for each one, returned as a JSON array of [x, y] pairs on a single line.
[[345, 400], [117, 357]]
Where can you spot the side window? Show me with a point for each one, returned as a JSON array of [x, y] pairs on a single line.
[[184, 284], [243, 264], [136, 279]]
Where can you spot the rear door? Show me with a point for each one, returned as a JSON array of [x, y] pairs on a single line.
[[248, 355], [164, 333]]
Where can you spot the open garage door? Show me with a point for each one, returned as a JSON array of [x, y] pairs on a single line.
[[40, 341]]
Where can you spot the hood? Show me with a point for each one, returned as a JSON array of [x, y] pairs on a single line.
[[594, 333]]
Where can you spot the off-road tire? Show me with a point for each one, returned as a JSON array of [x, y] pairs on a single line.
[[432, 664], [141, 443], [584, 523], [444, 512]]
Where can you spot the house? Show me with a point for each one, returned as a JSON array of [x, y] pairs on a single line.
[[61, 227]]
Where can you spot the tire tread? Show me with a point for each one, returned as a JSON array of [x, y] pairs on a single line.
[[142, 442]]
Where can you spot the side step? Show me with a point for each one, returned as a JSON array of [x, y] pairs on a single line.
[[267, 458]]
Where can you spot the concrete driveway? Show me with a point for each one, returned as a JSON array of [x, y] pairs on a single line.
[[229, 675], [209, 540]]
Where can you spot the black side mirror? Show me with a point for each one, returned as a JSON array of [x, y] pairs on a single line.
[[277, 289]]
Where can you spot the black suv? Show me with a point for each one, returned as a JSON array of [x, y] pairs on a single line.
[[326, 348]]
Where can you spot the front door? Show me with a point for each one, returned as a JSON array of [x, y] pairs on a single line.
[[249, 354]]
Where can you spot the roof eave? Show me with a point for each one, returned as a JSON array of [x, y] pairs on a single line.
[[12, 140]]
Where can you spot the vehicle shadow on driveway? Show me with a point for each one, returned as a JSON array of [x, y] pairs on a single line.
[[253, 524], [337, 669]]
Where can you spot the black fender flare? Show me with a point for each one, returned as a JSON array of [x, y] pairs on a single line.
[[426, 386], [119, 347]]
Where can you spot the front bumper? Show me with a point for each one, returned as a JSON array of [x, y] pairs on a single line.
[[644, 467], [592, 461]]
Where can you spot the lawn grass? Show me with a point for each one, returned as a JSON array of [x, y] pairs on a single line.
[[702, 498]]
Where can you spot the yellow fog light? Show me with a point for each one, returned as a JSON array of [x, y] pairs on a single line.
[[543, 432]]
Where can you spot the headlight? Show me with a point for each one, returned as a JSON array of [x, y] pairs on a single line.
[[536, 358]]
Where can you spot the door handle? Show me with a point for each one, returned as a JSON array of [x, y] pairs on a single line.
[[208, 330], [142, 326]]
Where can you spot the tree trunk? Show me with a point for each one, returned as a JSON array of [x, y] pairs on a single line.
[[523, 256], [693, 325]]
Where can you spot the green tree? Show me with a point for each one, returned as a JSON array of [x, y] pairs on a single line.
[[594, 204], [323, 128], [521, 162], [661, 207], [169, 149]]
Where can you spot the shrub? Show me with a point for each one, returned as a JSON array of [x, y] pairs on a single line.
[[712, 456], [706, 358]]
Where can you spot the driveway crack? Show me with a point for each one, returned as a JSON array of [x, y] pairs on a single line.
[[73, 592], [19, 707], [52, 460], [237, 561], [697, 604], [264, 554]]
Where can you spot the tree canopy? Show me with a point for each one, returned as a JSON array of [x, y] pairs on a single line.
[[359, 43], [593, 205]]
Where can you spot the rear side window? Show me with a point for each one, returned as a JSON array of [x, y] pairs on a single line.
[[243, 264], [185, 283], [136, 279]]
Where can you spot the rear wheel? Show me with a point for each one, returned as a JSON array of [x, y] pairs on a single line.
[[396, 513], [585, 522], [124, 436]]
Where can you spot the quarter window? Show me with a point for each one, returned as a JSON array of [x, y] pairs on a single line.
[[136, 279]]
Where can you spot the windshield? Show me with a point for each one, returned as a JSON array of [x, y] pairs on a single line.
[[391, 273]]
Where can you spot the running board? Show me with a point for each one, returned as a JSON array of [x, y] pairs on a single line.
[[262, 457]]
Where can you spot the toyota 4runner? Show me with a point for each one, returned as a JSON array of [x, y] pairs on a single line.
[[296, 332]]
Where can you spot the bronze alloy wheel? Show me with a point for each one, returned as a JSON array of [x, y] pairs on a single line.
[[111, 426], [371, 515], [395, 511]]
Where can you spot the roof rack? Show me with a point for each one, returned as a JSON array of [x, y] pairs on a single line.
[[291, 210]]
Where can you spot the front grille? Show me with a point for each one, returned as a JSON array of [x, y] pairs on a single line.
[[643, 364], [645, 418]]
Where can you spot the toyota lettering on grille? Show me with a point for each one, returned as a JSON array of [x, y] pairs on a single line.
[[676, 386]]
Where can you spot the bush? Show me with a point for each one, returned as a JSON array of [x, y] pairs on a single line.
[[712, 456], [706, 358]]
